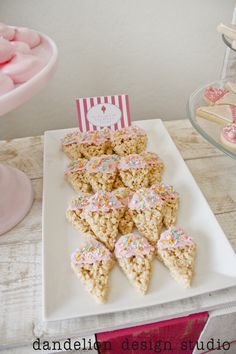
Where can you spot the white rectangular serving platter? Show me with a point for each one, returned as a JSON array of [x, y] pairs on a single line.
[[63, 295]]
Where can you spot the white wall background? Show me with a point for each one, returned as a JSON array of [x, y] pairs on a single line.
[[157, 51]]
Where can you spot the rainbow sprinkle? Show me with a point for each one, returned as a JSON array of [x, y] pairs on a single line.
[[79, 202], [128, 132], [71, 138], [90, 253], [76, 165], [104, 164], [133, 245], [174, 237], [123, 194], [103, 201], [152, 158], [95, 137], [146, 198], [132, 161], [166, 192]]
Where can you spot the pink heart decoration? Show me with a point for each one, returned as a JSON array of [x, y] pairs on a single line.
[[214, 94]]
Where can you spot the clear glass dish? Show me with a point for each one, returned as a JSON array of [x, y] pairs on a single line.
[[209, 130]]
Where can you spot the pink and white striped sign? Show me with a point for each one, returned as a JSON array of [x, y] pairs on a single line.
[[95, 113]]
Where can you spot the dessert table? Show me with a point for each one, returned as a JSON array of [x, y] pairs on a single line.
[[20, 267]]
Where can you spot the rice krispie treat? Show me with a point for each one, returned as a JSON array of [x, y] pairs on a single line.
[[101, 172], [146, 208], [71, 145], [74, 211], [76, 175], [124, 195], [135, 256], [103, 214], [92, 263], [96, 143], [156, 166], [171, 200], [130, 140], [177, 251], [134, 171]]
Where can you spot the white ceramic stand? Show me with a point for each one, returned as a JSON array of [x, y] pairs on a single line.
[[16, 197], [16, 193]]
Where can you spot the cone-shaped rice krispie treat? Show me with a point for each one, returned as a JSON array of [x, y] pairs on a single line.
[[135, 257], [103, 214], [71, 145], [76, 175], [133, 171], [92, 263], [156, 166], [130, 140], [101, 172], [177, 251], [96, 143], [171, 200], [74, 211], [146, 207], [124, 195]]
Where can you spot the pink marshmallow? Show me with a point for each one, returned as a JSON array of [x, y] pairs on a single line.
[[29, 36], [6, 50], [23, 67], [6, 32], [6, 84], [21, 47]]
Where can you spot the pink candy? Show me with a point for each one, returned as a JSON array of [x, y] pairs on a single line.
[[23, 67], [6, 32], [6, 50], [29, 36], [21, 47], [17, 62]]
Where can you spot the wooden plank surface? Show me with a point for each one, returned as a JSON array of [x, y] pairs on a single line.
[[190, 144], [216, 178], [25, 154], [20, 264]]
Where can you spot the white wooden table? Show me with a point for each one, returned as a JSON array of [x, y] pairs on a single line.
[[20, 249]]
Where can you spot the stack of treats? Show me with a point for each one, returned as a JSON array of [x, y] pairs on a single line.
[[119, 186]]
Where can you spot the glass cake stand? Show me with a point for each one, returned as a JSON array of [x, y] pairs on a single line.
[[228, 42], [209, 130], [16, 192]]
